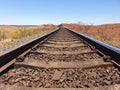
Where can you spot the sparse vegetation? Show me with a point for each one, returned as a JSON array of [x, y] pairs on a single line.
[[3, 35], [109, 33], [11, 36]]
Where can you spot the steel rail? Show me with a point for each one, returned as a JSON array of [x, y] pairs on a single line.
[[9, 55], [108, 50]]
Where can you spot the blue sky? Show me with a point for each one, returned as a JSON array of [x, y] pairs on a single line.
[[32, 12]]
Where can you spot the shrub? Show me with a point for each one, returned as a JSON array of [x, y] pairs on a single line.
[[15, 35], [3, 35]]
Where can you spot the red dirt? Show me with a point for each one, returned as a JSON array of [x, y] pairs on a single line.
[[109, 33]]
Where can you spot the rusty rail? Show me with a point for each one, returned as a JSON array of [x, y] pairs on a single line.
[[108, 50], [7, 57]]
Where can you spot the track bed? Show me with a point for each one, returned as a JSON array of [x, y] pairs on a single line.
[[61, 78], [63, 60]]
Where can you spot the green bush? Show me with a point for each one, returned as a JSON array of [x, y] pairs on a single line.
[[15, 35]]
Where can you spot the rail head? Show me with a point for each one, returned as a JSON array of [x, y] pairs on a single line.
[[111, 51], [10, 54]]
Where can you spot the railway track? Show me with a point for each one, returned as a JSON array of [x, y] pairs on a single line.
[[61, 59]]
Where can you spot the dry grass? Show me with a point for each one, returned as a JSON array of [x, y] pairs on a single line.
[[108, 33], [11, 36]]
